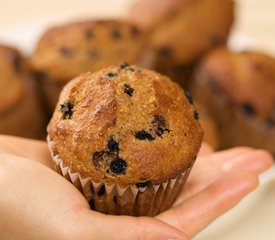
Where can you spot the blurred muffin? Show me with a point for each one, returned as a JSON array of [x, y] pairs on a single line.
[[186, 30], [20, 111], [149, 14], [209, 126], [238, 88], [126, 137], [64, 52]]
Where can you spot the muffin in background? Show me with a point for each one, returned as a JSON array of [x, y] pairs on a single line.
[[182, 31], [65, 51], [149, 14], [209, 126], [238, 89], [20, 111], [126, 137]]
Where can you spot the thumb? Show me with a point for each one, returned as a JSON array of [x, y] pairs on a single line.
[[95, 225]]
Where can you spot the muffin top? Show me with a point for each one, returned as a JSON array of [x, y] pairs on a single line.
[[13, 69], [197, 26], [126, 125], [247, 79], [64, 52]]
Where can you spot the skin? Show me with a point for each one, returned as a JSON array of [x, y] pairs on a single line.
[[37, 203]]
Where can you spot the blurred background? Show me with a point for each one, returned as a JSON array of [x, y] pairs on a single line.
[[22, 21]]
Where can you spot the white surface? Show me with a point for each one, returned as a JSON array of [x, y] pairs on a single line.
[[23, 21]]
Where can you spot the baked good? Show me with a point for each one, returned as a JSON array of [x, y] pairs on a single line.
[[238, 89], [209, 126], [126, 137], [20, 110], [65, 51], [149, 14], [186, 31]]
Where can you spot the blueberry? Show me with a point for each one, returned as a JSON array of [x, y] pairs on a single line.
[[123, 65], [189, 97], [248, 109], [159, 121], [112, 145], [111, 74], [118, 166], [98, 158], [196, 115], [88, 34], [128, 90], [67, 110], [66, 52], [115, 33], [143, 135]]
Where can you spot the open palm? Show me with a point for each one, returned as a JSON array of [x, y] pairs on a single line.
[[37, 203]]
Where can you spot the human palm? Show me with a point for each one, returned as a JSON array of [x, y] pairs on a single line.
[[37, 203]]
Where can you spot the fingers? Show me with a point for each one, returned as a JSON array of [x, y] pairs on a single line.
[[31, 149], [198, 211], [205, 198], [256, 161], [208, 169], [103, 227]]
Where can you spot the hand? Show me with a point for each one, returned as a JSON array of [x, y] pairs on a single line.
[[37, 203]]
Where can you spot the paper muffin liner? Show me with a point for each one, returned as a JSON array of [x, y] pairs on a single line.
[[131, 200]]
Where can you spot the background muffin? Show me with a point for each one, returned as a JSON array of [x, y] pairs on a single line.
[[238, 89], [186, 30], [132, 131], [20, 110], [149, 14], [209, 126], [64, 52]]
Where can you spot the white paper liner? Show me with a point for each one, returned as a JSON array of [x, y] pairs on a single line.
[[131, 200]]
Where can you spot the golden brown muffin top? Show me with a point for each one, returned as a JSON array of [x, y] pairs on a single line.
[[197, 26], [246, 78], [64, 52], [125, 124], [13, 70]]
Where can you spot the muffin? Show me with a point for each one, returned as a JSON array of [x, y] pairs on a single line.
[[126, 137], [209, 126], [238, 89], [186, 30], [20, 110], [148, 14], [64, 52]]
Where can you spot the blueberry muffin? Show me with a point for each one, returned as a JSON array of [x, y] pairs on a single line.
[[148, 14], [209, 126], [238, 88], [186, 30], [126, 137], [20, 111], [64, 52]]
